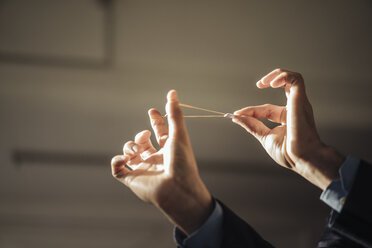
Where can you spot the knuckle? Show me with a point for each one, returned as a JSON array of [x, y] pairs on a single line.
[[285, 74], [128, 145], [157, 121], [299, 76], [293, 77], [269, 114], [296, 75], [177, 112], [298, 80]]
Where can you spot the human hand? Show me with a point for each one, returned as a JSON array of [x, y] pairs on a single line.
[[168, 177], [295, 144]]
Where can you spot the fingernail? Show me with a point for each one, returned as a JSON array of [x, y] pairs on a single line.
[[172, 95], [228, 115]]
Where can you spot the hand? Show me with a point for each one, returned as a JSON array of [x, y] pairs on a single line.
[[168, 177], [295, 144]]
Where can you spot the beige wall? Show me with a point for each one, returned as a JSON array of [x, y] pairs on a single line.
[[76, 80]]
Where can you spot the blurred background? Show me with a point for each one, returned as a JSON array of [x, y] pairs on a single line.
[[78, 76]]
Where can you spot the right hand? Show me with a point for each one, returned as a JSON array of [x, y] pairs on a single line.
[[295, 144]]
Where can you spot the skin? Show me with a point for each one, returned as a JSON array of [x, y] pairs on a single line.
[[295, 144], [169, 178]]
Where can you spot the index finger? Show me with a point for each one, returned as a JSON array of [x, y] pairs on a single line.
[[267, 111], [159, 126]]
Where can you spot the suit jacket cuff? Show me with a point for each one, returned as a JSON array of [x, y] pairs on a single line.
[[208, 235], [336, 193]]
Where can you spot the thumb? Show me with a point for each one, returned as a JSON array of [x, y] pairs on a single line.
[[300, 110], [178, 143], [177, 128]]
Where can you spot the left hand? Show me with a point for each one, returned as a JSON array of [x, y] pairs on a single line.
[[168, 177]]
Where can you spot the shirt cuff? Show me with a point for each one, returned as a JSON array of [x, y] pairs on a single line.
[[208, 235], [335, 194]]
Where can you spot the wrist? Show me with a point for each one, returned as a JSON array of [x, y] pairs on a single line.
[[323, 166], [187, 208]]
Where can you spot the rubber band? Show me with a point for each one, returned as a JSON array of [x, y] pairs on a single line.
[[221, 114]]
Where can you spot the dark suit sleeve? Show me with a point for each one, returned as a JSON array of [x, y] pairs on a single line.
[[352, 227], [238, 234]]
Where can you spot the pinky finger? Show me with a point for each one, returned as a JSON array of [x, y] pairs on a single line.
[[119, 166]]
